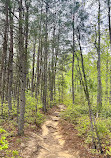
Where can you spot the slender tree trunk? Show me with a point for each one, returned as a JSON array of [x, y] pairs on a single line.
[[22, 72], [62, 88], [38, 72], [39, 59], [99, 88], [106, 92], [56, 60], [4, 58], [52, 66], [85, 86], [73, 49], [18, 109], [45, 62], [33, 67], [109, 22], [41, 55], [27, 5], [10, 65]]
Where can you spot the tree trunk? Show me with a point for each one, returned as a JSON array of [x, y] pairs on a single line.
[[56, 60], [22, 73], [52, 66], [33, 67], [99, 88], [73, 49], [85, 86], [106, 92], [26, 32], [10, 65], [4, 58], [41, 56], [38, 72], [109, 22], [45, 62]]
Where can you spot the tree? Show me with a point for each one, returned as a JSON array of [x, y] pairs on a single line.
[[4, 56], [109, 25], [99, 91], [10, 62], [22, 71]]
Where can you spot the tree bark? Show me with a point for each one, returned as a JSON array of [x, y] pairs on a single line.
[[26, 32], [73, 50], [4, 58], [38, 72], [106, 92], [99, 88], [109, 23], [33, 67], [10, 65], [85, 86], [52, 66], [22, 72], [45, 62]]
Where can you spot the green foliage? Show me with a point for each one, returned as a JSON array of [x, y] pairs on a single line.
[[4, 145], [83, 125], [79, 115], [12, 154], [106, 111], [31, 102], [31, 115], [73, 112], [3, 141], [39, 118], [2, 131], [104, 129], [15, 153], [108, 151]]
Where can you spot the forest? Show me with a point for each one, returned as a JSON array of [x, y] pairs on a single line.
[[55, 54]]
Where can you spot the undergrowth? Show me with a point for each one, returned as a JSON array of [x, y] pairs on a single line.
[[78, 114], [9, 125]]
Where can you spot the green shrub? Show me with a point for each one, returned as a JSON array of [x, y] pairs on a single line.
[[79, 115], [83, 125], [31, 116], [104, 129], [15, 153], [75, 111], [106, 111], [3, 141]]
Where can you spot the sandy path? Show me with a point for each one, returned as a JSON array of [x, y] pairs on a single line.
[[50, 143]]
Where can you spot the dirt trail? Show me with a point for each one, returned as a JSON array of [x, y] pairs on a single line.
[[50, 143]]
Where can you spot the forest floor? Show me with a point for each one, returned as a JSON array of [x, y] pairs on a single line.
[[57, 139]]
